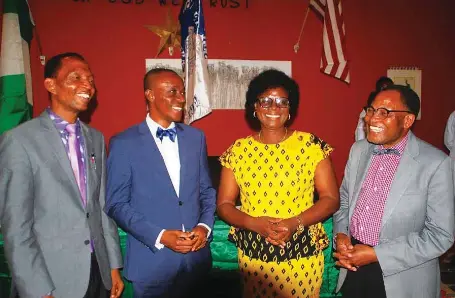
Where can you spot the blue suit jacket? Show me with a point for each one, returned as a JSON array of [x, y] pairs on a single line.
[[142, 200]]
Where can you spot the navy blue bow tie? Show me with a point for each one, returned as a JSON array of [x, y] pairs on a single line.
[[386, 151], [171, 133]]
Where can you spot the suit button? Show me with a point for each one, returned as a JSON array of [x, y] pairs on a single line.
[[180, 203], [87, 242], [87, 215]]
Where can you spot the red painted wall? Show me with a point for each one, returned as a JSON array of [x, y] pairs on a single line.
[[382, 33]]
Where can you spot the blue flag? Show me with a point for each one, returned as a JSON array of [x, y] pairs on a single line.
[[194, 60]]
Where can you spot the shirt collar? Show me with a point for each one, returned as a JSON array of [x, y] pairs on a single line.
[[400, 146], [60, 123], [153, 126]]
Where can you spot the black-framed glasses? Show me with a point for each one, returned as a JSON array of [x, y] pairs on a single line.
[[381, 113], [267, 102]]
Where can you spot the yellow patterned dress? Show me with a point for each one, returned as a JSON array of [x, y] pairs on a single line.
[[277, 180]]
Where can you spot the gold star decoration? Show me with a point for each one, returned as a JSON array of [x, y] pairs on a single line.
[[169, 34]]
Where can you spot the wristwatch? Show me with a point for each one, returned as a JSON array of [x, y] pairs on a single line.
[[300, 226]]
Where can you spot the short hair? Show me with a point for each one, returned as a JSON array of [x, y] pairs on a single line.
[[383, 82], [151, 72], [408, 96], [270, 79], [371, 97], [54, 64], [156, 71]]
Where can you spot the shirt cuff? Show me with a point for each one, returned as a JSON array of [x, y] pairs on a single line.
[[158, 243], [207, 227]]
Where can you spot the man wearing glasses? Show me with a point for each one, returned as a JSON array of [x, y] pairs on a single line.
[[381, 84], [397, 209]]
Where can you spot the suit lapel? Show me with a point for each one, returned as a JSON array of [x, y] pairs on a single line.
[[183, 143], [405, 171], [55, 145], [153, 155], [362, 170]]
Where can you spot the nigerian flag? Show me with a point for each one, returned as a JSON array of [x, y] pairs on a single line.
[[15, 76]]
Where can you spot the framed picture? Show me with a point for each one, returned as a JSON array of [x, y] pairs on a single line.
[[408, 76], [229, 79]]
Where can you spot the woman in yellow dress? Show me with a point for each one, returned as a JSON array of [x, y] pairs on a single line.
[[277, 230]]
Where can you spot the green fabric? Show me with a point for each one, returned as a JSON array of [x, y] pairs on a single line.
[[3, 265], [224, 254], [20, 7], [330, 276], [128, 291], [4, 274], [17, 30], [14, 107], [9, 6]]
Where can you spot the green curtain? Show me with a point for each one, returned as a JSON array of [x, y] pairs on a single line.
[[330, 276], [5, 278]]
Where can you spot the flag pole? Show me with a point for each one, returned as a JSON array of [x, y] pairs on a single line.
[[297, 44], [37, 38]]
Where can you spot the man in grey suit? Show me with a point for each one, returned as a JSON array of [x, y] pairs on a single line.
[[58, 240], [396, 213]]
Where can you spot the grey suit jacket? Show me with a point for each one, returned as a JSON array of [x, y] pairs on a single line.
[[418, 221], [46, 227]]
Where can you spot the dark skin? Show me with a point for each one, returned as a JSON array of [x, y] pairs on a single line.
[[71, 91], [351, 257], [277, 231], [165, 94], [387, 132]]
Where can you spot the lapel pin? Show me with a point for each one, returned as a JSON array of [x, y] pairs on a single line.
[[93, 160]]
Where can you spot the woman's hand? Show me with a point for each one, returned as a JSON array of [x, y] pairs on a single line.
[[283, 231], [267, 227]]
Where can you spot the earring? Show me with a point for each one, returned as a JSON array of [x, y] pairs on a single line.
[[289, 116], [254, 114]]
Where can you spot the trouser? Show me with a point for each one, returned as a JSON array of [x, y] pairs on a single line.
[[95, 287], [367, 281], [186, 284]]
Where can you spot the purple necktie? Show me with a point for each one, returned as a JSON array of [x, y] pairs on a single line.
[[75, 160]]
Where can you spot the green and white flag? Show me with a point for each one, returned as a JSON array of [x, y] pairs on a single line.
[[15, 76]]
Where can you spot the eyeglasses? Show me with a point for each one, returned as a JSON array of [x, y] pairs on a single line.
[[267, 102], [381, 113]]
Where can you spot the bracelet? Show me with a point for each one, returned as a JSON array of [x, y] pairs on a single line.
[[300, 226]]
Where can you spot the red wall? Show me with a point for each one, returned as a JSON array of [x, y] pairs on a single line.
[[382, 33]]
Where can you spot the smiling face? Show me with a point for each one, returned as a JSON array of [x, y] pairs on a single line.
[[166, 96], [391, 130], [71, 89], [272, 117]]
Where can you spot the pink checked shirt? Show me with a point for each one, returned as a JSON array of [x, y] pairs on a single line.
[[367, 218]]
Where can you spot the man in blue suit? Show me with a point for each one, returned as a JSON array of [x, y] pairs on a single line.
[[159, 192]]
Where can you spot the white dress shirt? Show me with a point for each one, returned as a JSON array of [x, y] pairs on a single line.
[[449, 135], [170, 152]]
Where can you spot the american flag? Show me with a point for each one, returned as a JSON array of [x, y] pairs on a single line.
[[333, 61], [194, 60]]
